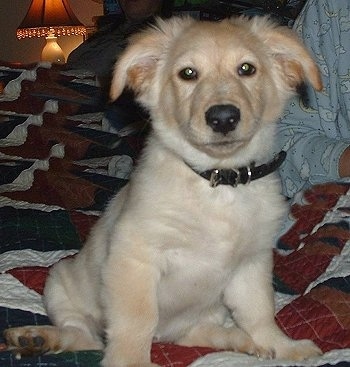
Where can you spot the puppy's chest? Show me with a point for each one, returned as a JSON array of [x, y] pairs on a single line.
[[198, 263], [212, 232]]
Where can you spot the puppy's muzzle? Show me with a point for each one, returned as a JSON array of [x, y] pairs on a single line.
[[223, 118]]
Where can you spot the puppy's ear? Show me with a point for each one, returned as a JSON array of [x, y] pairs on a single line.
[[137, 65], [297, 65]]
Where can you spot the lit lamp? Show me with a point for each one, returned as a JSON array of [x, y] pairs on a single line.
[[50, 19]]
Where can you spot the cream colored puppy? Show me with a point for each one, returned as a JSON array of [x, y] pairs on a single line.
[[187, 243]]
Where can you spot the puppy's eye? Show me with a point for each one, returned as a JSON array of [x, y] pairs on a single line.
[[246, 69], [188, 74]]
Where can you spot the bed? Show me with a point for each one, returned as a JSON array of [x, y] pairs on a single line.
[[63, 154]]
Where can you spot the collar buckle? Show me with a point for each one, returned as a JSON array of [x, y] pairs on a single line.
[[214, 178], [237, 180]]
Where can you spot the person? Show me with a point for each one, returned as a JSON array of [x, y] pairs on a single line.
[[316, 132], [99, 52]]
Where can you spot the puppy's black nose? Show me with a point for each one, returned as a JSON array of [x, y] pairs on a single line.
[[223, 118]]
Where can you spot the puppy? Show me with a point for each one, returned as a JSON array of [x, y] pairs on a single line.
[[187, 243]]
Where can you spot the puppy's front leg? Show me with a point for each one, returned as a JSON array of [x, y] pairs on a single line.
[[250, 296], [129, 294]]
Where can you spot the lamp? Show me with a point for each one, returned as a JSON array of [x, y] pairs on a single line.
[[50, 19]]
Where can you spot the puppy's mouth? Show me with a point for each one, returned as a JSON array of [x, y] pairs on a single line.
[[221, 143], [217, 144], [226, 143], [221, 148]]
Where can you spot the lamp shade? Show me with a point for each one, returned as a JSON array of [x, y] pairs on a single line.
[[54, 17]]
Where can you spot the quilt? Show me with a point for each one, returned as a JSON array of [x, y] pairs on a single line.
[[64, 153]]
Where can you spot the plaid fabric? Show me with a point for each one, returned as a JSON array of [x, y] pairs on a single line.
[[61, 159], [312, 262]]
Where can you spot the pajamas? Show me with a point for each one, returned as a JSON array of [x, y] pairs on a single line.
[[316, 133]]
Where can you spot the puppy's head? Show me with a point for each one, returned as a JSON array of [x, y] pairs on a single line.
[[214, 87]]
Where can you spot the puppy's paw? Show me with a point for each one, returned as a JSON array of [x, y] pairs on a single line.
[[31, 340], [297, 350], [245, 344]]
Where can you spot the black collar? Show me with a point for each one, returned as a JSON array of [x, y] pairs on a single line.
[[242, 175]]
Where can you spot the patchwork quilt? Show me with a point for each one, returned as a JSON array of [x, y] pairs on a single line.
[[64, 153]]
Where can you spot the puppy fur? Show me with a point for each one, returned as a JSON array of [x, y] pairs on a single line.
[[172, 258]]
